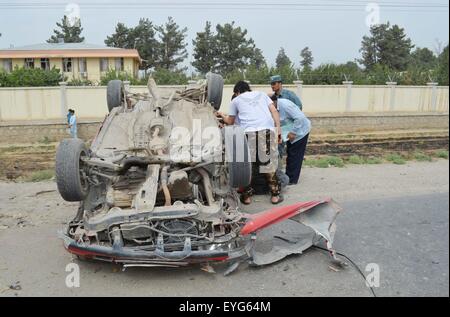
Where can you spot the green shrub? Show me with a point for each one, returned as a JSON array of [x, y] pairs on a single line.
[[335, 161], [442, 154], [113, 75], [374, 160], [355, 159], [80, 82], [322, 163], [325, 162], [422, 157], [396, 159], [167, 77], [36, 77], [41, 175]]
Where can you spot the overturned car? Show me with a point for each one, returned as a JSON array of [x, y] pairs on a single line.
[[157, 186]]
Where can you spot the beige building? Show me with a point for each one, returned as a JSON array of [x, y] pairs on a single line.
[[76, 60]]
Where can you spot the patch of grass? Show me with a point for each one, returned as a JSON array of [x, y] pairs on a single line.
[[41, 176], [441, 154], [422, 157], [335, 161], [309, 162], [355, 159], [396, 158], [325, 162], [374, 160], [322, 163]]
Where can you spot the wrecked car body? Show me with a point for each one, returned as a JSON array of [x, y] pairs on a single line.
[[157, 187]]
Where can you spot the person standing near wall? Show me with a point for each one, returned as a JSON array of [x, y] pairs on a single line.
[[295, 127], [69, 114], [73, 124], [276, 82]]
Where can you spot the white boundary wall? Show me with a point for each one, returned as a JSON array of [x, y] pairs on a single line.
[[47, 103]]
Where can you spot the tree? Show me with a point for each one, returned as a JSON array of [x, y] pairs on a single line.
[[70, 32], [234, 50], [423, 58], [172, 46], [257, 59], [141, 37], [282, 59], [121, 38], [306, 59], [205, 50], [388, 46], [442, 68]]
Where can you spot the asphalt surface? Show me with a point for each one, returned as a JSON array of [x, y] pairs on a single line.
[[393, 216]]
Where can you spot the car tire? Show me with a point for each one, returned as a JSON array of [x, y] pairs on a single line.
[[114, 94], [68, 170], [215, 84], [238, 157]]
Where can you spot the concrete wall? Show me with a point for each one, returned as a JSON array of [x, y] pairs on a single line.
[[43, 103], [37, 131]]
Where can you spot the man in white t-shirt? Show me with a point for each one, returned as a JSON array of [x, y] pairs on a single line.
[[255, 112]]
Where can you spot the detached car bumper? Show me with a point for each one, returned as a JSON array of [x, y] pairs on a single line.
[[318, 217], [158, 257]]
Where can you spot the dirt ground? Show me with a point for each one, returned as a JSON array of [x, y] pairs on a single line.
[[33, 260]]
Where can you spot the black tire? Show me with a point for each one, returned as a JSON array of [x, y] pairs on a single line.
[[71, 184], [238, 157], [114, 94], [215, 89]]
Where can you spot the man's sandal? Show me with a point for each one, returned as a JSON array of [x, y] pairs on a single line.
[[280, 200], [244, 198]]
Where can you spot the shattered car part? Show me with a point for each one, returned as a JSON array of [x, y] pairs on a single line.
[[151, 195]]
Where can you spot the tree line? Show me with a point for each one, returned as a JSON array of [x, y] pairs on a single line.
[[387, 54]]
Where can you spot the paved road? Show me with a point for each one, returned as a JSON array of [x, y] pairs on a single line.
[[394, 216]]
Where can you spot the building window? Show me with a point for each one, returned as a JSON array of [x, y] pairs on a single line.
[[82, 65], [104, 64], [119, 64], [7, 65], [67, 65], [29, 63], [45, 64]]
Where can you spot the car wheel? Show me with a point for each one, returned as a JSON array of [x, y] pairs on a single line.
[[114, 94], [215, 89], [70, 174], [238, 157]]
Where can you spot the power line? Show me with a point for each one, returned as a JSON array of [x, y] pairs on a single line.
[[198, 5]]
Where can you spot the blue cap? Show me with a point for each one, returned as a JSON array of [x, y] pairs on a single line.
[[276, 79]]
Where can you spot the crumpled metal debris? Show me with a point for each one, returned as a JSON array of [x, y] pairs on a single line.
[[308, 224]]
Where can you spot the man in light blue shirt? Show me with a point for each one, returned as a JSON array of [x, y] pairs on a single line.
[[69, 114], [73, 124], [295, 127]]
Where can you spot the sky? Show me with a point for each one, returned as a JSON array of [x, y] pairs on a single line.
[[332, 29]]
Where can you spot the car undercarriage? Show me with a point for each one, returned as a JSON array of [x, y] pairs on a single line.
[[157, 186]]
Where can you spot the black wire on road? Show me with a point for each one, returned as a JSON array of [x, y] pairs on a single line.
[[354, 265]]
